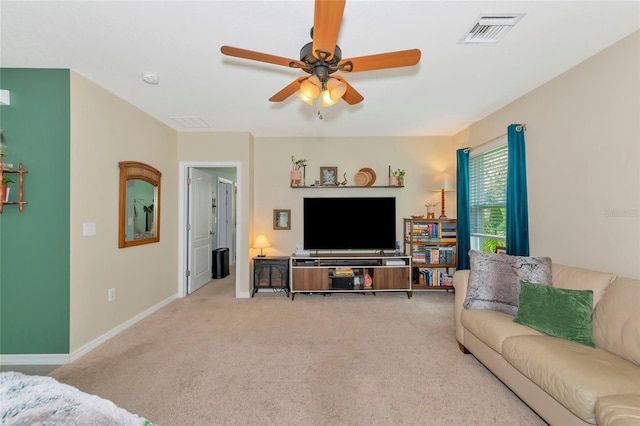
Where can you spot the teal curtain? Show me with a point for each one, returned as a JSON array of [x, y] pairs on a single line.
[[462, 195], [517, 209]]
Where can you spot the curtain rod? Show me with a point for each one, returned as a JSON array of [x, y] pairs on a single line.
[[519, 128]]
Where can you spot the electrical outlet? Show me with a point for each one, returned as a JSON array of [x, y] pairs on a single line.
[[112, 294]]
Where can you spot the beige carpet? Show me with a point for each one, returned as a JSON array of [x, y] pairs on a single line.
[[347, 359]]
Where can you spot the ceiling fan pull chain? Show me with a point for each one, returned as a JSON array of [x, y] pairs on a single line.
[[320, 117]]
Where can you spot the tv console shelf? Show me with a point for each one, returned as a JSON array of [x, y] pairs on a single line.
[[347, 273], [344, 186]]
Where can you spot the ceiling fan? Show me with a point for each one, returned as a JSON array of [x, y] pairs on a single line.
[[322, 57]]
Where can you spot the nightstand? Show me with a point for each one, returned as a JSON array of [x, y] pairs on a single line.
[[270, 272]]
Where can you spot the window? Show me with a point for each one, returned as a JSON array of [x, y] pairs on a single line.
[[488, 198]]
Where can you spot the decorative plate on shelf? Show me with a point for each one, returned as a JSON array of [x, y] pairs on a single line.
[[361, 179], [371, 173]]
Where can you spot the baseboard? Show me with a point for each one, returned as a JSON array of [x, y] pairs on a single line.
[[34, 359], [119, 329], [60, 359]]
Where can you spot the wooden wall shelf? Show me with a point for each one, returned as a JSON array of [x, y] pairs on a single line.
[[343, 186], [20, 172]]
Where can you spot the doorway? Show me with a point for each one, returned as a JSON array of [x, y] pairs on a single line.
[[207, 221]]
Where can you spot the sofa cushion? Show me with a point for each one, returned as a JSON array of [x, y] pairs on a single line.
[[494, 279], [492, 327], [618, 410], [557, 312], [616, 319], [575, 278], [575, 375]]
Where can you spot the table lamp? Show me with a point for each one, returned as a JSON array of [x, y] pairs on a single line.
[[444, 183], [261, 242]]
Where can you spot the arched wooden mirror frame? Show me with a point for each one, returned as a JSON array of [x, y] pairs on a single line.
[[130, 170]]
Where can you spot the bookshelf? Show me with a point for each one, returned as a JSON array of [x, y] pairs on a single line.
[[432, 245]]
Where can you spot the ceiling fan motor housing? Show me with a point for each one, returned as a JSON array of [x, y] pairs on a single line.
[[320, 67]]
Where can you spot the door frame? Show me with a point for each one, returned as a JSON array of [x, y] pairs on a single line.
[[183, 216], [232, 248]]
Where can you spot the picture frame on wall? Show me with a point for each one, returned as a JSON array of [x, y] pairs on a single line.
[[501, 250], [328, 176], [282, 220]]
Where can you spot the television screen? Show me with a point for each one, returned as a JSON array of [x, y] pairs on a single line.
[[362, 223]]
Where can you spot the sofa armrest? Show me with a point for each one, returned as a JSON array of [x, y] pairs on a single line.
[[460, 281], [618, 410]]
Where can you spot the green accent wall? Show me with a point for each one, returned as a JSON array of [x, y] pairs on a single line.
[[34, 244]]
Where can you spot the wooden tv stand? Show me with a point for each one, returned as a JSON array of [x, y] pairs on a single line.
[[345, 273]]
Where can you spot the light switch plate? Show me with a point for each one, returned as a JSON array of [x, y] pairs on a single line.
[[88, 229]]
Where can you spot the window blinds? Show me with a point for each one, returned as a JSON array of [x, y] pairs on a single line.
[[487, 186]]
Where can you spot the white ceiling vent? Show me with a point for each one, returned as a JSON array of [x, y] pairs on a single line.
[[191, 122], [491, 27]]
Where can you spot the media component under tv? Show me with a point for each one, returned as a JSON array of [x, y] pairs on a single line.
[[357, 223]]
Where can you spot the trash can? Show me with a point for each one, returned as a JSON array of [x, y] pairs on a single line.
[[219, 263]]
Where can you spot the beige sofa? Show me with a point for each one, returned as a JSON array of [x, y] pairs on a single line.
[[565, 382]]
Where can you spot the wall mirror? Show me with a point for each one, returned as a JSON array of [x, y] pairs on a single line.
[[139, 207]]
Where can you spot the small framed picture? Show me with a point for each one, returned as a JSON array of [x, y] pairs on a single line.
[[282, 219], [501, 250], [328, 176]]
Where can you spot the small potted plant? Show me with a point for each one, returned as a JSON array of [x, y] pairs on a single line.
[[431, 209], [397, 178], [296, 173], [5, 189]]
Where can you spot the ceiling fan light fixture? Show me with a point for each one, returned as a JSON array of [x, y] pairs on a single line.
[[305, 98], [325, 96], [336, 88], [311, 87]]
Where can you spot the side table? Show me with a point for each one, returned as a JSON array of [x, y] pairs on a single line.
[[270, 272]]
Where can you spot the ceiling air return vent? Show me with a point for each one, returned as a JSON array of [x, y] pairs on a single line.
[[491, 27], [190, 122]]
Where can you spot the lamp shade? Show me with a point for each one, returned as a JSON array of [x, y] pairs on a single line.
[[261, 242], [311, 87], [327, 100], [443, 181], [336, 88], [305, 98]]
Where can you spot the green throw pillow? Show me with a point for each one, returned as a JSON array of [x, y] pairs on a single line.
[[558, 312]]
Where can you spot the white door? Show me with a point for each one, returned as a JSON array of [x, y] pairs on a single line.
[[199, 230], [225, 216]]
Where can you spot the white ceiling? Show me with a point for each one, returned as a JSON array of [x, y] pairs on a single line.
[[113, 42]]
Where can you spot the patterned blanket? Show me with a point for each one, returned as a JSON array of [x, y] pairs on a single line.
[[36, 400]]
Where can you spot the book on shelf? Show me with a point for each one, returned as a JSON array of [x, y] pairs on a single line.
[[430, 277], [444, 255]]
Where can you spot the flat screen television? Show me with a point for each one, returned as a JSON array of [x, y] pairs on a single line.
[[358, 223]]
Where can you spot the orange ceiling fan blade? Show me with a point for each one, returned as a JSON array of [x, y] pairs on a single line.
[[262, 57], [287, 91], [351, 96], [402, 58], [326, 26]]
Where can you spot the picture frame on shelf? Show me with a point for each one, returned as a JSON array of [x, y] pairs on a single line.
[[281, 219], [328, 176], [501, 250]]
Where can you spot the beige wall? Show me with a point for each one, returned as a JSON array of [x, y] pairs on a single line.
[[583, 153], [237, 148], [420, 157], [105, 130]]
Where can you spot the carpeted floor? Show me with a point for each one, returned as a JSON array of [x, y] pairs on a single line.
[[345, 359]]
